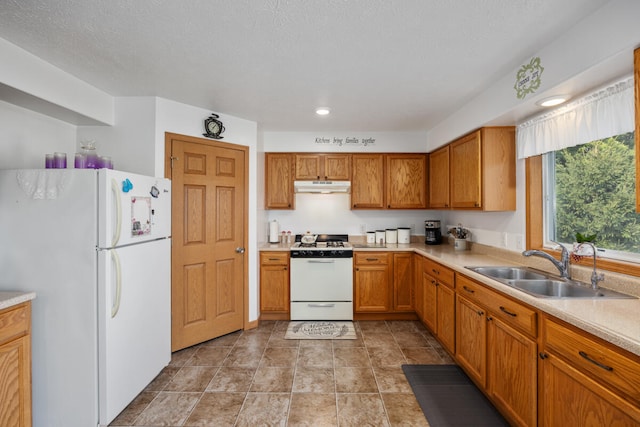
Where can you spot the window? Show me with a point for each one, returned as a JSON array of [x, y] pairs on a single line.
[[590, 189], [554, 144]]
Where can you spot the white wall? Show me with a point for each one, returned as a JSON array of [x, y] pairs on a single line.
[[26, 136]]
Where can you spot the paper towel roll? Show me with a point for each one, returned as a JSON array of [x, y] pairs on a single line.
[[274, 231]]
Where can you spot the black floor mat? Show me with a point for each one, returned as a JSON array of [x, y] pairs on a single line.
[[448, 397]]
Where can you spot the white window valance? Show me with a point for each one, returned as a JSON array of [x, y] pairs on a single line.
[[602, 114]]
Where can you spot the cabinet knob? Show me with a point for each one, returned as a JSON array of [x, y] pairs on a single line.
[[543, 355]]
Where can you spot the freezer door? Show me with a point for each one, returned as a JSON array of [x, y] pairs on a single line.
[[134, 321], [132, 208]]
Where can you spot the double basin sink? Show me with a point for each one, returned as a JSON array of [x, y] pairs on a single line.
[[543, 285]]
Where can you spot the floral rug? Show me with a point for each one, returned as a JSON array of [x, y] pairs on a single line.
[[320, 330]]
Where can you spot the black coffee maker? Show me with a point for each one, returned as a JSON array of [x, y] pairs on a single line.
[[432, 233]]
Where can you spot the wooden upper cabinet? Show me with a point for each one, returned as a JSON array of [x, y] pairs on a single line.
[[279, 181], [367, 181], [323, 167], [466, 181], [482, 168], [406, 181], [439, 178]]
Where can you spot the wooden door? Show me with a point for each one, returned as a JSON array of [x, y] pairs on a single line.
[[209, 219], [367, 181], [439, 178], [274, 284], [418, 302], [446, 317], [465, 172], [337, 166], [570, 398], [430, 302], [372, 288], [512, 373], [278, 181], [471, 339], [308, 166], [402, 282], [406, 181]]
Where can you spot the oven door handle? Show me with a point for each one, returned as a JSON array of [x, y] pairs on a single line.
[[321, 305], [321, 261]]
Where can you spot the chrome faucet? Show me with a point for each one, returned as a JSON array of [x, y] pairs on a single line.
[[595, 277], [562, 265]]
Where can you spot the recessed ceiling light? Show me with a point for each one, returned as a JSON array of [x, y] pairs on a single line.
[[322, 111], [552, 101]]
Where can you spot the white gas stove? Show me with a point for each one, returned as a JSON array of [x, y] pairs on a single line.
[[322, 278]]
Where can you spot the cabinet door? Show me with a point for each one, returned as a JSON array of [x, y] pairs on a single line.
[[15, 383], [439, 178], [367, 181], [372, 288], [570, 398], [406, 181], [465, 174], [308, 166], [512, 372], [274, 288], [279, 181], [417, 286], [446, 317], [402, 282], [274, 282], [337, 167], [430, 302], [471, 339]]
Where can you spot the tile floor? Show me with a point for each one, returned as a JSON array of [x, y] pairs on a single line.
[[257, 378]]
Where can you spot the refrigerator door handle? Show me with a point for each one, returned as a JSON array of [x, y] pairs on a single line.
[[118, 209], [115, 306]]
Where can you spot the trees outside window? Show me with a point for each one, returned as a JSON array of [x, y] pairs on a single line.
[[594, 193]]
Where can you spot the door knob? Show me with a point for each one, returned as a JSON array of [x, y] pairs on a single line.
[[240, 250]]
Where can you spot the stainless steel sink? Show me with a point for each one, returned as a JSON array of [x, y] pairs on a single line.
[[544, 285], [508, 273]]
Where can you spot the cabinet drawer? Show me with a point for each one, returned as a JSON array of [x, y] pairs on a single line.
[[437, 271], [371, 258], [594, 357], [511, 312], [14, 322], [274, 258]]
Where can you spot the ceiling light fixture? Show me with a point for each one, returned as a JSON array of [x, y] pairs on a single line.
[[552, 101], [322, 111]]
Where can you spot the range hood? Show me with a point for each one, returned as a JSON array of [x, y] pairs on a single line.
[[322, 186]]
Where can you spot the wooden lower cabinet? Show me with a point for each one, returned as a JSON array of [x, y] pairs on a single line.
[[438, 300], [274, 285], [372, 282], [383, 284], [497, 351], [586, 382], [402, 281], [15, 365], [418, 300]]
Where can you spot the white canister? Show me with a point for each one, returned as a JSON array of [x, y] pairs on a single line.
[[404, 235], [371, 237], [380, 237], [391, 235]]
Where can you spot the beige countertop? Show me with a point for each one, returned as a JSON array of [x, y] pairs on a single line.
[[11, 298], [614, 320]]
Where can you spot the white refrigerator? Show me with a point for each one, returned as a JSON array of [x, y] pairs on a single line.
[[95, 247]]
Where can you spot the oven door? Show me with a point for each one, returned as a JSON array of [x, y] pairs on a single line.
[[321, 279]]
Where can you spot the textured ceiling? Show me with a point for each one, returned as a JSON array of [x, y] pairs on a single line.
[[380, 65]]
